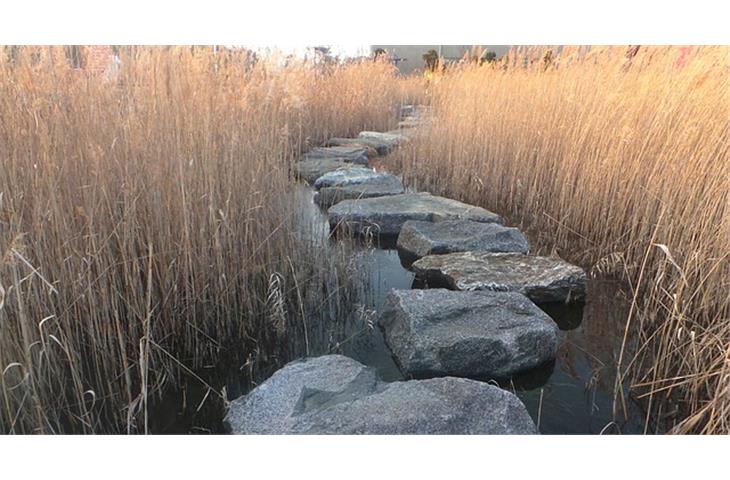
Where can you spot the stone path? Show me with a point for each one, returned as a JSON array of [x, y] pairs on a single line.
[[483, 326]]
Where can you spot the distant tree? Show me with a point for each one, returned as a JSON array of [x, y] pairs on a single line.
[[378, 53], [489, 57], [431, 60]]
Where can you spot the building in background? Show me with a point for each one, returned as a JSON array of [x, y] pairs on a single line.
[[409, 58]]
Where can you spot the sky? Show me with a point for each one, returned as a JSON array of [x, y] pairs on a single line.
[[341, 50]]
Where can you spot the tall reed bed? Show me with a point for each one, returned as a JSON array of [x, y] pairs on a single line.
[[148, 226], [617, 159]]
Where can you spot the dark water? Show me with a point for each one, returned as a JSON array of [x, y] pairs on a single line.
[[573, 395]]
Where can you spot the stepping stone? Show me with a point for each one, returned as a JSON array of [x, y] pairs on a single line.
[[468, 334], [542, 279], [386, 215], [418, 239], [334, 394], [350, 176], [390, 139], [381, 148], [352, 154], [382, 187], [311, 170]]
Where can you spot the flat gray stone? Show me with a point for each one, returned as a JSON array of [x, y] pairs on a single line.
[[468, 334], [350, 176], [418, 239], [386, 215], [337, 395], [380, 186], [380, 147], [311, 170], [542, 279], [352, 154], [391, 139]]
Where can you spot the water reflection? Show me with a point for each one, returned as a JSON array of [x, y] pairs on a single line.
[[572, 395]]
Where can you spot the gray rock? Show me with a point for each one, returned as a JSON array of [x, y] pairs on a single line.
[[469, 334], [350, 176], [418, 239], [380, 186], [352, 154], [381, 148], [391, 139], [542, 279], [337, 395], [386, 215], [311, 170]]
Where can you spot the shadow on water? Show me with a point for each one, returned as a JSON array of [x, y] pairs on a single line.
[[572, 395]]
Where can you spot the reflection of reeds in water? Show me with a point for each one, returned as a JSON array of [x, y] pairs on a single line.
[[616, 159], [146, 227]]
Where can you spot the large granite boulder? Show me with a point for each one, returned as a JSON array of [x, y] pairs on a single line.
[[542, 279], [311, 170], [468, 334], [380, 147], [418, 239], [352, 154], [386, 215], [376, 186], [337, 395]]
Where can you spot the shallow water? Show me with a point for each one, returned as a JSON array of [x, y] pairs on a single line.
[[573, 395]]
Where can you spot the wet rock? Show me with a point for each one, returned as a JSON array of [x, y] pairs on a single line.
[[542, 279], [418, 239], [386, 215], [311, 170], [380, 147], [469, 334], [352, 154], [337, 395], [377, 186]]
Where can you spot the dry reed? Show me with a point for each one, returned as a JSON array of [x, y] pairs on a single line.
[[619, 160], [147, 226]]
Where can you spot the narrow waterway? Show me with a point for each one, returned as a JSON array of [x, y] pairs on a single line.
[[573, 395]]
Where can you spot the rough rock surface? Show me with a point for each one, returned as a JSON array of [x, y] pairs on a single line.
[[542, 279], [311, 170], [468, 334], [386, 215], [351, 176], [380, 147], [376, 187], [418, 239], [390, 139], [334, 394], [352, 154]]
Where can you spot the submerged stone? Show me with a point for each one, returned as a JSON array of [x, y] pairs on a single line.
[[469, 334], [311, 170], [386, 215], [418, 239], [334, 394], [352, 154], [542, 279]]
